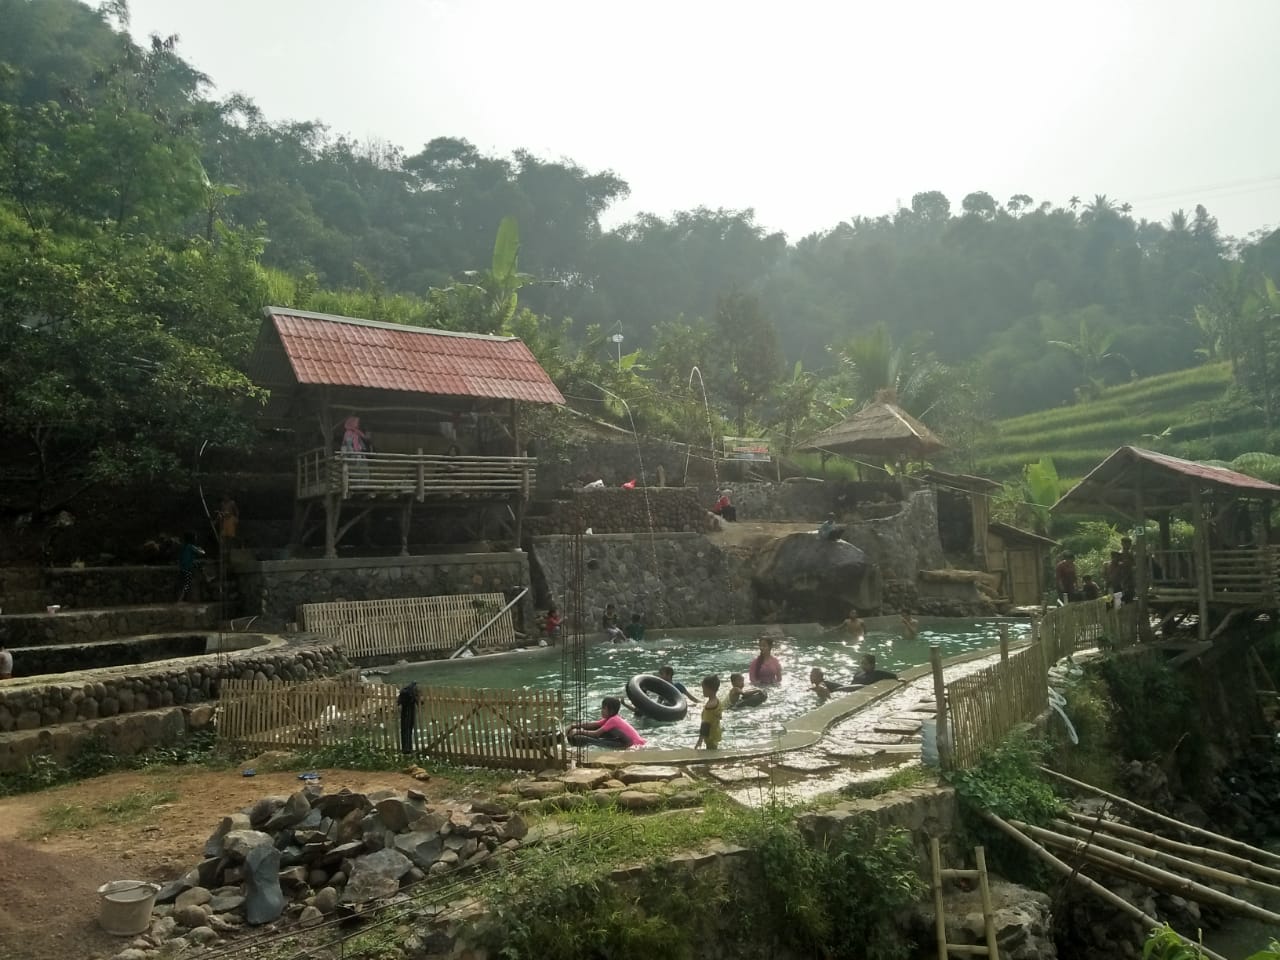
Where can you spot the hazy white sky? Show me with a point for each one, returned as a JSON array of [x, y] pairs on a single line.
[[809, 112]]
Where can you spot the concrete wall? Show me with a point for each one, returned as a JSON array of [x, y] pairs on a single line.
[[90, 626], [87, 587], [674, 579], [804, 501], [273, 589], [617, 461]]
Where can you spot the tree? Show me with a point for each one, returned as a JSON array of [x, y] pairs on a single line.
[[747, 358], [980, 204], [905, 373], [1092, 350]]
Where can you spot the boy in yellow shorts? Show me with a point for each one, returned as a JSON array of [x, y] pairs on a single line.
[[712, 712]]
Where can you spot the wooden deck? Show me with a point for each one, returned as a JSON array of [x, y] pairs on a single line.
[[1246, 577], [418, 476]]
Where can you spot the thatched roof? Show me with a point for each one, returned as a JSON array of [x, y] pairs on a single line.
[[880, 429]]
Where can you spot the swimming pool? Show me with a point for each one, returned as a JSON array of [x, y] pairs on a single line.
[[609, 666]]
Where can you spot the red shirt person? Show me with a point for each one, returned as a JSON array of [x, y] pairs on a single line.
[[765, 669], [1065, 576]]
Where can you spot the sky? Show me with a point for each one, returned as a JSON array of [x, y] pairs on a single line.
[[810, 113]]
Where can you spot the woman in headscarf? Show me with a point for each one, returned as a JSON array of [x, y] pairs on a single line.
[[353, 438]]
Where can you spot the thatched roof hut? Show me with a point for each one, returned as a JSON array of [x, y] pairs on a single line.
[[880, 429]]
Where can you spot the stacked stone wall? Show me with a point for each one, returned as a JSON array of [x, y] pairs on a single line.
[[613, 510]]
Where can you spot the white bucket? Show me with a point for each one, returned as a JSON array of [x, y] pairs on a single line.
[[126, 906]]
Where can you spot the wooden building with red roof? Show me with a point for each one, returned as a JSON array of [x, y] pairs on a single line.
[[401, 417]]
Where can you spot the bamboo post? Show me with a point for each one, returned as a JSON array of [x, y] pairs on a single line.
[[940, 718], [1155, 876], [1204, 575], [1256, 853], [1004, 643], [1094, 836], [940, 921], [993, 950], [1124, 906], [1177, 846]]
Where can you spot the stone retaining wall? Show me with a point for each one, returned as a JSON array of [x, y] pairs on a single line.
[[613, 510], [617, 461], [91, 626], [673, 579], [84, 587], [273, 589], [124, 736], [43, 702], [904, 544]]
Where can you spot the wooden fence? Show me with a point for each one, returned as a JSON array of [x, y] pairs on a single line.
[[510, 729], [1079, 626], [983, 707], [373, 628], [420, 475]]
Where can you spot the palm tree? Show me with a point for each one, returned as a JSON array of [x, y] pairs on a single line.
[[1073, 203], [904, 373], [1092, 349], [1126, 208]]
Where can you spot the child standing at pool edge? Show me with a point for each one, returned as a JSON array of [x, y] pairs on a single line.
[[712, 712]]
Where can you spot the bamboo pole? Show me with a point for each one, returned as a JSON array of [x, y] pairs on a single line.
[[1155, 840], [1190, 866], [988, 914], [1153, 876], [1124, 906], [1238, 845], [940, 718], [940, 922], [1004, 643]]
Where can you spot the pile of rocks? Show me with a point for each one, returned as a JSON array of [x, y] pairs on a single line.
[[313, 854]]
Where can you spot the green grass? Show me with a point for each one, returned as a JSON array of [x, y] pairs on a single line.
[[1193, 406], [75, 817], [900, 779]]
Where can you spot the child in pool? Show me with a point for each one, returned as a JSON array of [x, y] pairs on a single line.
[[740, 696], [610, 731], [712, 712]]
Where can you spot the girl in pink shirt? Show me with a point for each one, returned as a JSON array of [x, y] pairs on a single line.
[[610, 731], [765, 669]]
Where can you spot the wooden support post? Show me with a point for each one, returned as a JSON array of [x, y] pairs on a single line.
[[406, 517], [1204, 574], [940, 921], [332, 506], [940, 718], [422, 477], [1004, 643], [1141, 566], [984, 887]]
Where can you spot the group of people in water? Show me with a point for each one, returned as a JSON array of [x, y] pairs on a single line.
[[613, 731]]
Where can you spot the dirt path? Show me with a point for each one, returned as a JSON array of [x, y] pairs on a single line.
[[745, 534], [48, 884]]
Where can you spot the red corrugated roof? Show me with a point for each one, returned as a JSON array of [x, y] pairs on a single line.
[[344, 351], [1189, 468]]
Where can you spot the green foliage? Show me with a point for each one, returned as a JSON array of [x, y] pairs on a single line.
[[1093, 759], [358, 753], [93, 759], [903, 778], [836, 901], [1008, 783], [73, 817], [1155, 713]]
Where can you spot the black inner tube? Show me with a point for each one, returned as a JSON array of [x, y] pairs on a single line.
[[654, 697]]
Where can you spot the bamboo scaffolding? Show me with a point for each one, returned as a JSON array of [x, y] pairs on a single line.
[[1124, 906], [1177, 846], [1151, 875], [1190, 866], [1238, 845]]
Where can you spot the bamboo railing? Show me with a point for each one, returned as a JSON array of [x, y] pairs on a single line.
[[1091, 623], [418, 475], [984, 706], [374, 628], [508, 729]]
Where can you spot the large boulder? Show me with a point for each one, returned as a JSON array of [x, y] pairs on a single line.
[[800, 578]]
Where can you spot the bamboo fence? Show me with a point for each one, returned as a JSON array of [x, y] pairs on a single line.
[[1091, 623], [509, 729], [984, 706], [372, 628]]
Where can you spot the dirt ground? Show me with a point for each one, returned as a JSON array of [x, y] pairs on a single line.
[[746, 534], [48, 884]]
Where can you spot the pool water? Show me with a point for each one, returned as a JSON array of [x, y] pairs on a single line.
[[609, 666]]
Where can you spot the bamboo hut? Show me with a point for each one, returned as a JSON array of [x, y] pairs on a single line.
[[881, 430]]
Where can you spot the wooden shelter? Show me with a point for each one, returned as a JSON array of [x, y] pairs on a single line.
[[1231, 568], [1021, 559], [964, 511], [439, 417], [881, 429]]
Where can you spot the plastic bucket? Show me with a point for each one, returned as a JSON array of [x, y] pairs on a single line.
[[126, 906], [929, 743]]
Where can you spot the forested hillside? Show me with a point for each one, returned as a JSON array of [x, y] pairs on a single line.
[[144, 221]]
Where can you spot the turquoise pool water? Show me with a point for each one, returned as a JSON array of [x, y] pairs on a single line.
[[609, 666]]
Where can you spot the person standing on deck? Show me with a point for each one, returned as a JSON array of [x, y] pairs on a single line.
[[1065, 576]]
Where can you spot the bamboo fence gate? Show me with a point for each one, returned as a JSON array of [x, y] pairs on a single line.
[[509, 729], [985, 706], [373, 628]]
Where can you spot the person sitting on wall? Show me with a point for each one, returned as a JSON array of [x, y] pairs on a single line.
[[635, 629], [724, 508], [612, 631], [1089, 589], [869, 673], [829, 530]]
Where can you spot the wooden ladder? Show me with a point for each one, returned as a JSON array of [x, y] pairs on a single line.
[[946, 950]]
